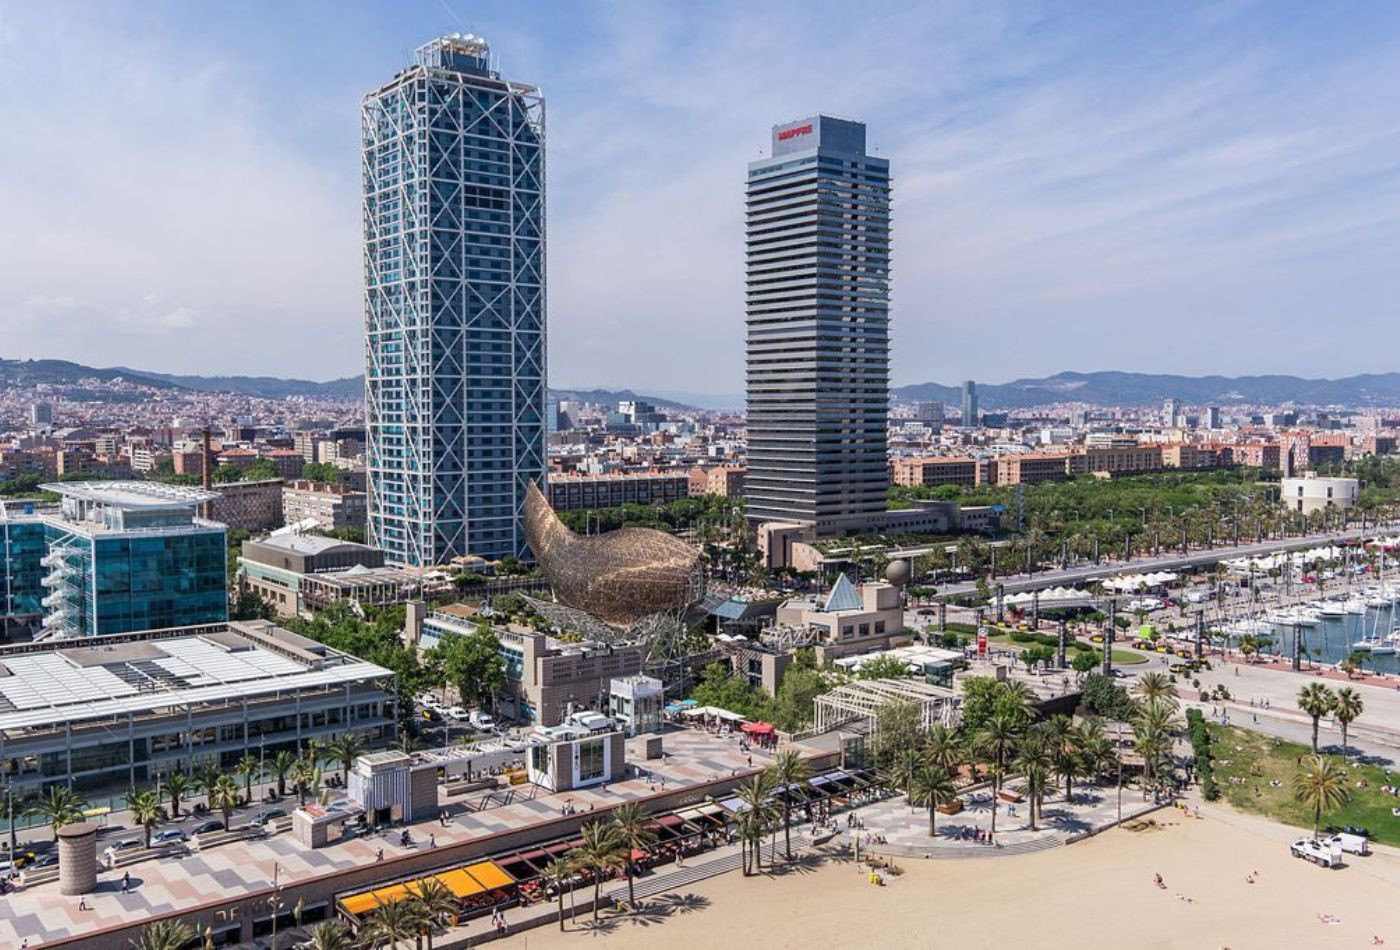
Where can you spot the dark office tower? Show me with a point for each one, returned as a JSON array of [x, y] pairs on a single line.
[[818, 328], [969, 405], [454, 305]]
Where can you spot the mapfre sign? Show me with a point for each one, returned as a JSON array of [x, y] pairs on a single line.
[[794, 132]]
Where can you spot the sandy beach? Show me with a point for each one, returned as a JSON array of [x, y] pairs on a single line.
[[1097, 893]]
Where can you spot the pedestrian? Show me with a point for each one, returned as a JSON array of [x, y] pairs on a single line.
[[82, 903], [126, 882], [379, 856], [432, 841]]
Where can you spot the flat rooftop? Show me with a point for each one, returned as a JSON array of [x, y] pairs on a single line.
[[132, 495], [100, 678]]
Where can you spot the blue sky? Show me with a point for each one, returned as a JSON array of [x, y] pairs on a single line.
[[1156, 187]]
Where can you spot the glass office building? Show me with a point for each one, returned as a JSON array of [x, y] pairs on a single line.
[[818, 253], [114, 557], [453, 163]]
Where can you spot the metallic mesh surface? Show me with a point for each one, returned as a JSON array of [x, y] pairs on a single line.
[[618, 577]]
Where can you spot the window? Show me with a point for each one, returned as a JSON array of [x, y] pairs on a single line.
[[590, 760]]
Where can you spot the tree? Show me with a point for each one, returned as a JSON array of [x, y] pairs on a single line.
[[1317, 701], [223, 795], [248, 767], [1064, 741], [165, 935], [330, 935], [944, 748], [437, 906], [931, 786], [759, 812], [1321, 784], [177, 784], [1153, 727], [1034, 759], [205, 781], [345, 749], [1154, 687], [282, 764], [600, 851], [1106, 698], [996, 741], [145, 809], [391, 924], [899, 733], [634, 829], [61, 806], [1347, 707], [559, 874], [790, 770], [1085, 660], [884, 667], [306, 776], [322, 472], [473, 664]]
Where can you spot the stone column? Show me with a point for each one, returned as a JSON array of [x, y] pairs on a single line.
[[77, 858]]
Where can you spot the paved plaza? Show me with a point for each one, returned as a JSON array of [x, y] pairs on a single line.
[[41, 913], [905, 829]]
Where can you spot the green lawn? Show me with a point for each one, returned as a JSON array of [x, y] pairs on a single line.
[[1259, 759], [1121, 657]]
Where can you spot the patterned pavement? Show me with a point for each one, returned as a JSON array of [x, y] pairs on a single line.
[[41, 914]]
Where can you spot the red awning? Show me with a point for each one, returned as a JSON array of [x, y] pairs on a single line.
[[638, 855], [758, 728]]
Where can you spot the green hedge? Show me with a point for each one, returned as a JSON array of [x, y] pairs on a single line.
[[1200, 744]]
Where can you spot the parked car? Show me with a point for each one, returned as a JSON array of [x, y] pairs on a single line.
[[47, 860], [429, 700], [117, 848], [458, 713], [430, 714], [1351, 844], [482, 720], [169, 836], [267, 815], [1319, 853], [207, 827]]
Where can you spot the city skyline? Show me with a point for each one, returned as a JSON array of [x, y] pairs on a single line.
[[1218, 179]]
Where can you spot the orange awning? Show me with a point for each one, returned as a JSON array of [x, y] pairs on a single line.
[[490, 875], [461, 883]]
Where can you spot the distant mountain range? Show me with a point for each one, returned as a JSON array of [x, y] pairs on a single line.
[[1145, 389], [24, 373]]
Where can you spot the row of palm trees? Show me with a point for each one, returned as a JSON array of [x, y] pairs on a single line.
[[61, 805], [174, 934], [1345, 705]]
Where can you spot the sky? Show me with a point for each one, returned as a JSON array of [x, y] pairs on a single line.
[[1077, 186]]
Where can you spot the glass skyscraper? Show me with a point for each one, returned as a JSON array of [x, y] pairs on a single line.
[[818, 236], [453, 161]]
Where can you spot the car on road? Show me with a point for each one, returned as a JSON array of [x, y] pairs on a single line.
[[1322, 854], [118, 848], [1349, 843], [267, 816], [48, 860], [429, 700], [458, 714], [169, 836], [430, 714], [207, 827], [483, 720], [1118, 674]]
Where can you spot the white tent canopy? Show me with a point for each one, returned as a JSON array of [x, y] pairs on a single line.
[[714, 712], [1051, 597], [1135, 582]]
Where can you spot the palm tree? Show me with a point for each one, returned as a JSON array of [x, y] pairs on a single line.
[[996, 741], [930, 787], [223, 795], [248, 767], [145, 809], [1321, 784], [1154, 687], [1018, 699], [634, 828], [207, 777], [1347, 707], [559, 874], [1153, 727], [282, 764], [1064, 745], [391, 924], [437, 906], [1317, 701], [790, 770], [1035, 759], [1096, 750], [330, 935], [757, 795], [306, 775], [943, 747], [164, 935], [408, 743], [601, 851], [176, 785], [345, 749], [61, 806]]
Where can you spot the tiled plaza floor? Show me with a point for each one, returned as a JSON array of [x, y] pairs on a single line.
[[41, 914]]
